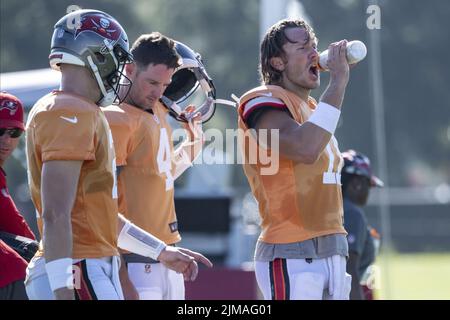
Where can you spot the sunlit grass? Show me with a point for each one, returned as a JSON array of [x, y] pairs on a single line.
[[414, 276]]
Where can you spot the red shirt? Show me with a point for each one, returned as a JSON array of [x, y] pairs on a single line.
[[12, 265]]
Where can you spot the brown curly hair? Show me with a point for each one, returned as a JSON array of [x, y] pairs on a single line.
[[272, 46]]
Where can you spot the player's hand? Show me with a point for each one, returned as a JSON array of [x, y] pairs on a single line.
[[197, 256], [192, 271], [194, 124], [183, 261], [174, 259], [337, 62], [64, 294]]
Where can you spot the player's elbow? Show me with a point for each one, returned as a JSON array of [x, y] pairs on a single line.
[[305, 151], [51, 216], [48, 216]]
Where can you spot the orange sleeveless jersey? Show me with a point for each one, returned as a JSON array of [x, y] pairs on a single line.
[[144, 150], [299, 201], [63, 126]]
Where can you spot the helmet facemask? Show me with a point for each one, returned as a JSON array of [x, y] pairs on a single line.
[[115, 86], [186, 81]]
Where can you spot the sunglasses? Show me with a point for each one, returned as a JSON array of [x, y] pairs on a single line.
[[13, 133]]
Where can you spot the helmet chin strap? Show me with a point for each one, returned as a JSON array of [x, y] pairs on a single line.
[[177, 111], [108, 97], [233, 103], [174, 109], [225, 102]]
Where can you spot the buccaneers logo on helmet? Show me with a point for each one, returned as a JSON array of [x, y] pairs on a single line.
[[9, 105], [101, 25]]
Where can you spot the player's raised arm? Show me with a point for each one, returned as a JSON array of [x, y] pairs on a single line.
[[190, 149], [305, 142]]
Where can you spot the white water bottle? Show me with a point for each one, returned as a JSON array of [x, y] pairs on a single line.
[[356, 51]]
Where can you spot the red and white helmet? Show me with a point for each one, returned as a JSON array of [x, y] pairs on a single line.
[[356, 163]]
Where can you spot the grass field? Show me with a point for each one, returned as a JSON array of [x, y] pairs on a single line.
[[415, 276]]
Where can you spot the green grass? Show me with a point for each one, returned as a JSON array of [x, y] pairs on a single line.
[[414, 276]]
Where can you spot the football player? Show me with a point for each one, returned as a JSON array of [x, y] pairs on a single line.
[[357, 179], [146, 159], [301, 252], [71, 166]]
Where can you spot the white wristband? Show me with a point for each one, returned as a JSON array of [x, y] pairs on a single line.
[[182, 162], [134, 239], [59, 273], [183, 156], [325, 116]]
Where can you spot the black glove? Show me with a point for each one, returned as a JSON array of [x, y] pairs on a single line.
[[24, 246]]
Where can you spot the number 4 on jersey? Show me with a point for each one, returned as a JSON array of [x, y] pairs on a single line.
[[164, 158]]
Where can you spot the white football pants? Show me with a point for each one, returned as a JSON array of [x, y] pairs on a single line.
[[153, 281], [95, 279], [296, 279]]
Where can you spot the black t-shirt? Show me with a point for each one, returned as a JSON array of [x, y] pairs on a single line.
[[359, 239]]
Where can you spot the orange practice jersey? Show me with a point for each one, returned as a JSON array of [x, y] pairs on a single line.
[[63, 126], [300, 201], [144, 150]]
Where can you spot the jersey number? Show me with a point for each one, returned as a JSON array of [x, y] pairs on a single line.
[[164, 158], [113, 165], [330, 177]]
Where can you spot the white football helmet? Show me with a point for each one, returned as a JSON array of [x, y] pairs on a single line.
[[187, 78]]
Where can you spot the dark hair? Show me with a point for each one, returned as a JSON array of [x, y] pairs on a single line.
[[272, 46], [155, 48]]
